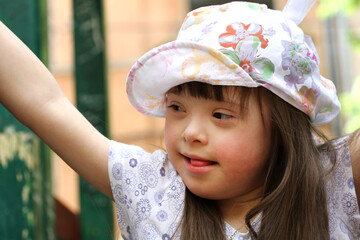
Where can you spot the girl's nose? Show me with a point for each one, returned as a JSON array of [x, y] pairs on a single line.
[[195, 132]]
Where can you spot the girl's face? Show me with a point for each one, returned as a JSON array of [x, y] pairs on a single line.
[[219, 151]]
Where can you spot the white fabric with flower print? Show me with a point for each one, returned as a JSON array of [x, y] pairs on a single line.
[[238, 44], [149, 194]]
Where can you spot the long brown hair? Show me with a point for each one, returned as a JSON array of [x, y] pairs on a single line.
[[293, 204]]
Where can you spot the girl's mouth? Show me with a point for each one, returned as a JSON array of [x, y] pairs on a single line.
[[200, 163]]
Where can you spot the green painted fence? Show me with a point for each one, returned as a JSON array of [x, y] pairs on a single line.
[[90, 71], [25, 166], [26, 201]]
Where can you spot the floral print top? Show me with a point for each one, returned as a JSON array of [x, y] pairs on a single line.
[[149, 194]]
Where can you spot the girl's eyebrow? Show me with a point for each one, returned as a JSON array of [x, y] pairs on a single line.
[[232, 103], [227, 100], [233, 100]]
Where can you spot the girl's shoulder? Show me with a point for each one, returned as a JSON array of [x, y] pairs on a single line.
[[347, 152], [147, 191], [341, 163], [354, 147]]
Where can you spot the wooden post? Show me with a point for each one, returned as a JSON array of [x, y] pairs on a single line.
[[90, 71], [26, 200]]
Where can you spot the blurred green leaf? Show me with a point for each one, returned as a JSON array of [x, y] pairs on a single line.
[[350, 102], [355, 41], [329, 8]]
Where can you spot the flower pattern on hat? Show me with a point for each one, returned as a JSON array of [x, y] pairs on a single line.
[[236, 44], [247, 40], [307, 99], [299, 61], [197, 17], [237, 32]]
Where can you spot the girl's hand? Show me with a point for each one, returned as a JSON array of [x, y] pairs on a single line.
[[32, 95]]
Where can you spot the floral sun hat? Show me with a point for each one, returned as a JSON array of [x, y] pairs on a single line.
[[238, 44]]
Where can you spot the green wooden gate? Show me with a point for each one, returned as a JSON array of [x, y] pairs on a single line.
[[90, 71], [26, 201]]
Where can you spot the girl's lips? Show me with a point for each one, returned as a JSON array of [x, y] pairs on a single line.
[[200, 163], [197, 164]]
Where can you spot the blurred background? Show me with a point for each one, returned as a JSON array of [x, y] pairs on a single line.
[[89, 46]]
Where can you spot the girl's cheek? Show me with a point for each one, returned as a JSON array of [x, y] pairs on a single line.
[[170, 137], [243, 154]]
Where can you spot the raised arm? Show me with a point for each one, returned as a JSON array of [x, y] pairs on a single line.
[[32, 95]]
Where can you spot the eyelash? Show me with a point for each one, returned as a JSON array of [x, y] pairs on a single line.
[[219, 115], [175, 107]]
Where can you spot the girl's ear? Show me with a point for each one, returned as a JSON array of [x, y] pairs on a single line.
[[355, 160]]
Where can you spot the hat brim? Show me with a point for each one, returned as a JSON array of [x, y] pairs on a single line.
[[175, 63]]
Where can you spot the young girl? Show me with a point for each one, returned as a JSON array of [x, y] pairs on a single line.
[[241, 93]]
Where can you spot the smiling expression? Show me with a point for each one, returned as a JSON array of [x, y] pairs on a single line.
[[219, 151]]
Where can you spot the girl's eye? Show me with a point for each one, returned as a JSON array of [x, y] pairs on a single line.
[[176, 108], [220, 115]]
